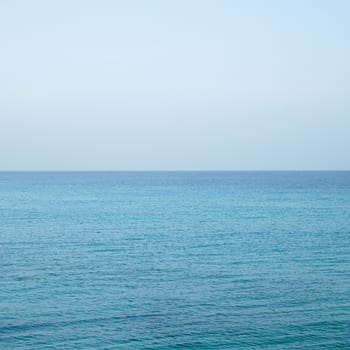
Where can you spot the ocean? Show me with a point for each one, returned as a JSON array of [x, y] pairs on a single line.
[[174, 260]]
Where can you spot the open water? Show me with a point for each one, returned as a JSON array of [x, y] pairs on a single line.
[[174, 260]]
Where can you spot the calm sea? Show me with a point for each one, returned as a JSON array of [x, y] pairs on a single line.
[[175, 260]]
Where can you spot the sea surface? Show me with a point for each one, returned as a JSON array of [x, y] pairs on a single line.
[[174, 260]]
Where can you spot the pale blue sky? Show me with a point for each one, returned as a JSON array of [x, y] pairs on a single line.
[[182, 84]]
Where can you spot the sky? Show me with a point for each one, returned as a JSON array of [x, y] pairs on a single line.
[[174, 85]]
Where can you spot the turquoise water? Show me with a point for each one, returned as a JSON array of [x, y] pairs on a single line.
[[175, 260]]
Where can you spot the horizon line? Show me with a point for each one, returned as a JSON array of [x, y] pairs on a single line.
[[170, 170]]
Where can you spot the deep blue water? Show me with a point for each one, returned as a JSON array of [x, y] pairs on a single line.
[[175, 260]]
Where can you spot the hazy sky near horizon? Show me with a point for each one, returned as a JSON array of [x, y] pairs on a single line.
[[185, 84]]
